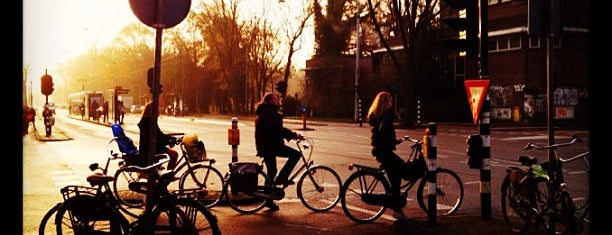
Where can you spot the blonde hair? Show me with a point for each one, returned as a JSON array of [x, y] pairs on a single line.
[[381, 103]]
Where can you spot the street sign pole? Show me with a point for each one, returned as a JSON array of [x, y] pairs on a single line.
[[485, 116], [157, 14]]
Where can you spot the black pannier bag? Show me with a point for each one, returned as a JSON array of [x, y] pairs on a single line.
[[414, 169], [243, 176]]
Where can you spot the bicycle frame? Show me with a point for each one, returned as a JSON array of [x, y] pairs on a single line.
[[305, 167], [317, 186], [557, 206], [104, 197]]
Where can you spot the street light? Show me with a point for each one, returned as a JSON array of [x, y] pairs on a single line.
[[357, 52]]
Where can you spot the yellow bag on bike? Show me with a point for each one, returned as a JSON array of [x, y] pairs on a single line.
[[196, 151]]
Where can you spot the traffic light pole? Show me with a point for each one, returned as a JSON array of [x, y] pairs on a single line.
[[485, 117]]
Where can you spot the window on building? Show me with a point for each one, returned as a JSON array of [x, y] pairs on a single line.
[[502, 45], [515, 42], [493, 2], [534, 42], [505, 44], [505, 0], [556, 42]]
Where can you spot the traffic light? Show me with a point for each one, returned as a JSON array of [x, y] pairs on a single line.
[[151, 80], [46, 84], [466, 22], [545, 18], [474, 151], [281, 86]]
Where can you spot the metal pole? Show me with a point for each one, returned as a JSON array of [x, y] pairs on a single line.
[[233, 138], [357, 52], [432, 156], [155, 102], [485, 114], [550, 103]]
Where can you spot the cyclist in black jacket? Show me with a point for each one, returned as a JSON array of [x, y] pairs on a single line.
[[162, 140], [380, 117], [270, 135]]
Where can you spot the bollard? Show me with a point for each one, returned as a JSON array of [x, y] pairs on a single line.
[[233, 138], [485, 171], [48, 120], [431, 153], [304, 120]]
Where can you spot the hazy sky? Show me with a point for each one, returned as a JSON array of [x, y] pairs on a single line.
[[57, 30]]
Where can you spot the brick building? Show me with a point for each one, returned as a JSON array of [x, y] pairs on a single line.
[[517, 65]]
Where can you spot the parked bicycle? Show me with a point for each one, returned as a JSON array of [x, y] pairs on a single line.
[[535, 195], [318, 186], [94, 210], [366, 192], [198, 174]]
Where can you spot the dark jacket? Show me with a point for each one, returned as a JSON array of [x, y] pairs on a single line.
[[383, 132], [269, 130], [161, 139]]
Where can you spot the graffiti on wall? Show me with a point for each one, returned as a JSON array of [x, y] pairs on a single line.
[[533, 106]]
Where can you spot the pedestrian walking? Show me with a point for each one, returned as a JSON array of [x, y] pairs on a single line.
[[105, 111]]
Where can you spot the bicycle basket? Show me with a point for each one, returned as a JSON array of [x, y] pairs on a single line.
[[414, 169], [196, 152]]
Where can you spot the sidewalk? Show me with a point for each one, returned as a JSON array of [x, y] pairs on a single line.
[[56, 135]]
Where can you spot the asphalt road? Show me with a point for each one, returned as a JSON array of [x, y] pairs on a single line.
[[292, 217]]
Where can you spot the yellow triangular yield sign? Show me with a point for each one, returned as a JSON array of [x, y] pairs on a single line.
[[476, 93]]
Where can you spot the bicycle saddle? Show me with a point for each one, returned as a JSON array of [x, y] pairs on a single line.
[[527, 160], [99, 179]]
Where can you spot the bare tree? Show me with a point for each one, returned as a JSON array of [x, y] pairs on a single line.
[[408, 21]]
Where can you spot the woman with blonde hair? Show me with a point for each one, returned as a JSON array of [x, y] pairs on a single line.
[[383, 141]]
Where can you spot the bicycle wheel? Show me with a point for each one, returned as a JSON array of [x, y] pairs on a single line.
[[362, 184], [583, 209], [449, 192], [519, 209], [85, 214], [206, 178], [204, 220], [562, 219], [247, 202], [45, 226], [164, 218], [132, 202], [326, 196]]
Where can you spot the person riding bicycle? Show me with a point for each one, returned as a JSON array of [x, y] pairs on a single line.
[[383, 140], [162, 140], [269, 140]]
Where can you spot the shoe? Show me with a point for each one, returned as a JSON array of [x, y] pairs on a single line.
[[284, 182], [271, 206], [399, 215]]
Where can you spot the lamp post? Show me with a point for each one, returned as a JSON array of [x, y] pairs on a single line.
[[357, 52]]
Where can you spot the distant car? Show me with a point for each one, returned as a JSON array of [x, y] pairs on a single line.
[[136, 109]]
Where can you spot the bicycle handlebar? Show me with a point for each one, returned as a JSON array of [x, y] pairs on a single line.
[[575, 139], [582, 155], [407, 138]]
